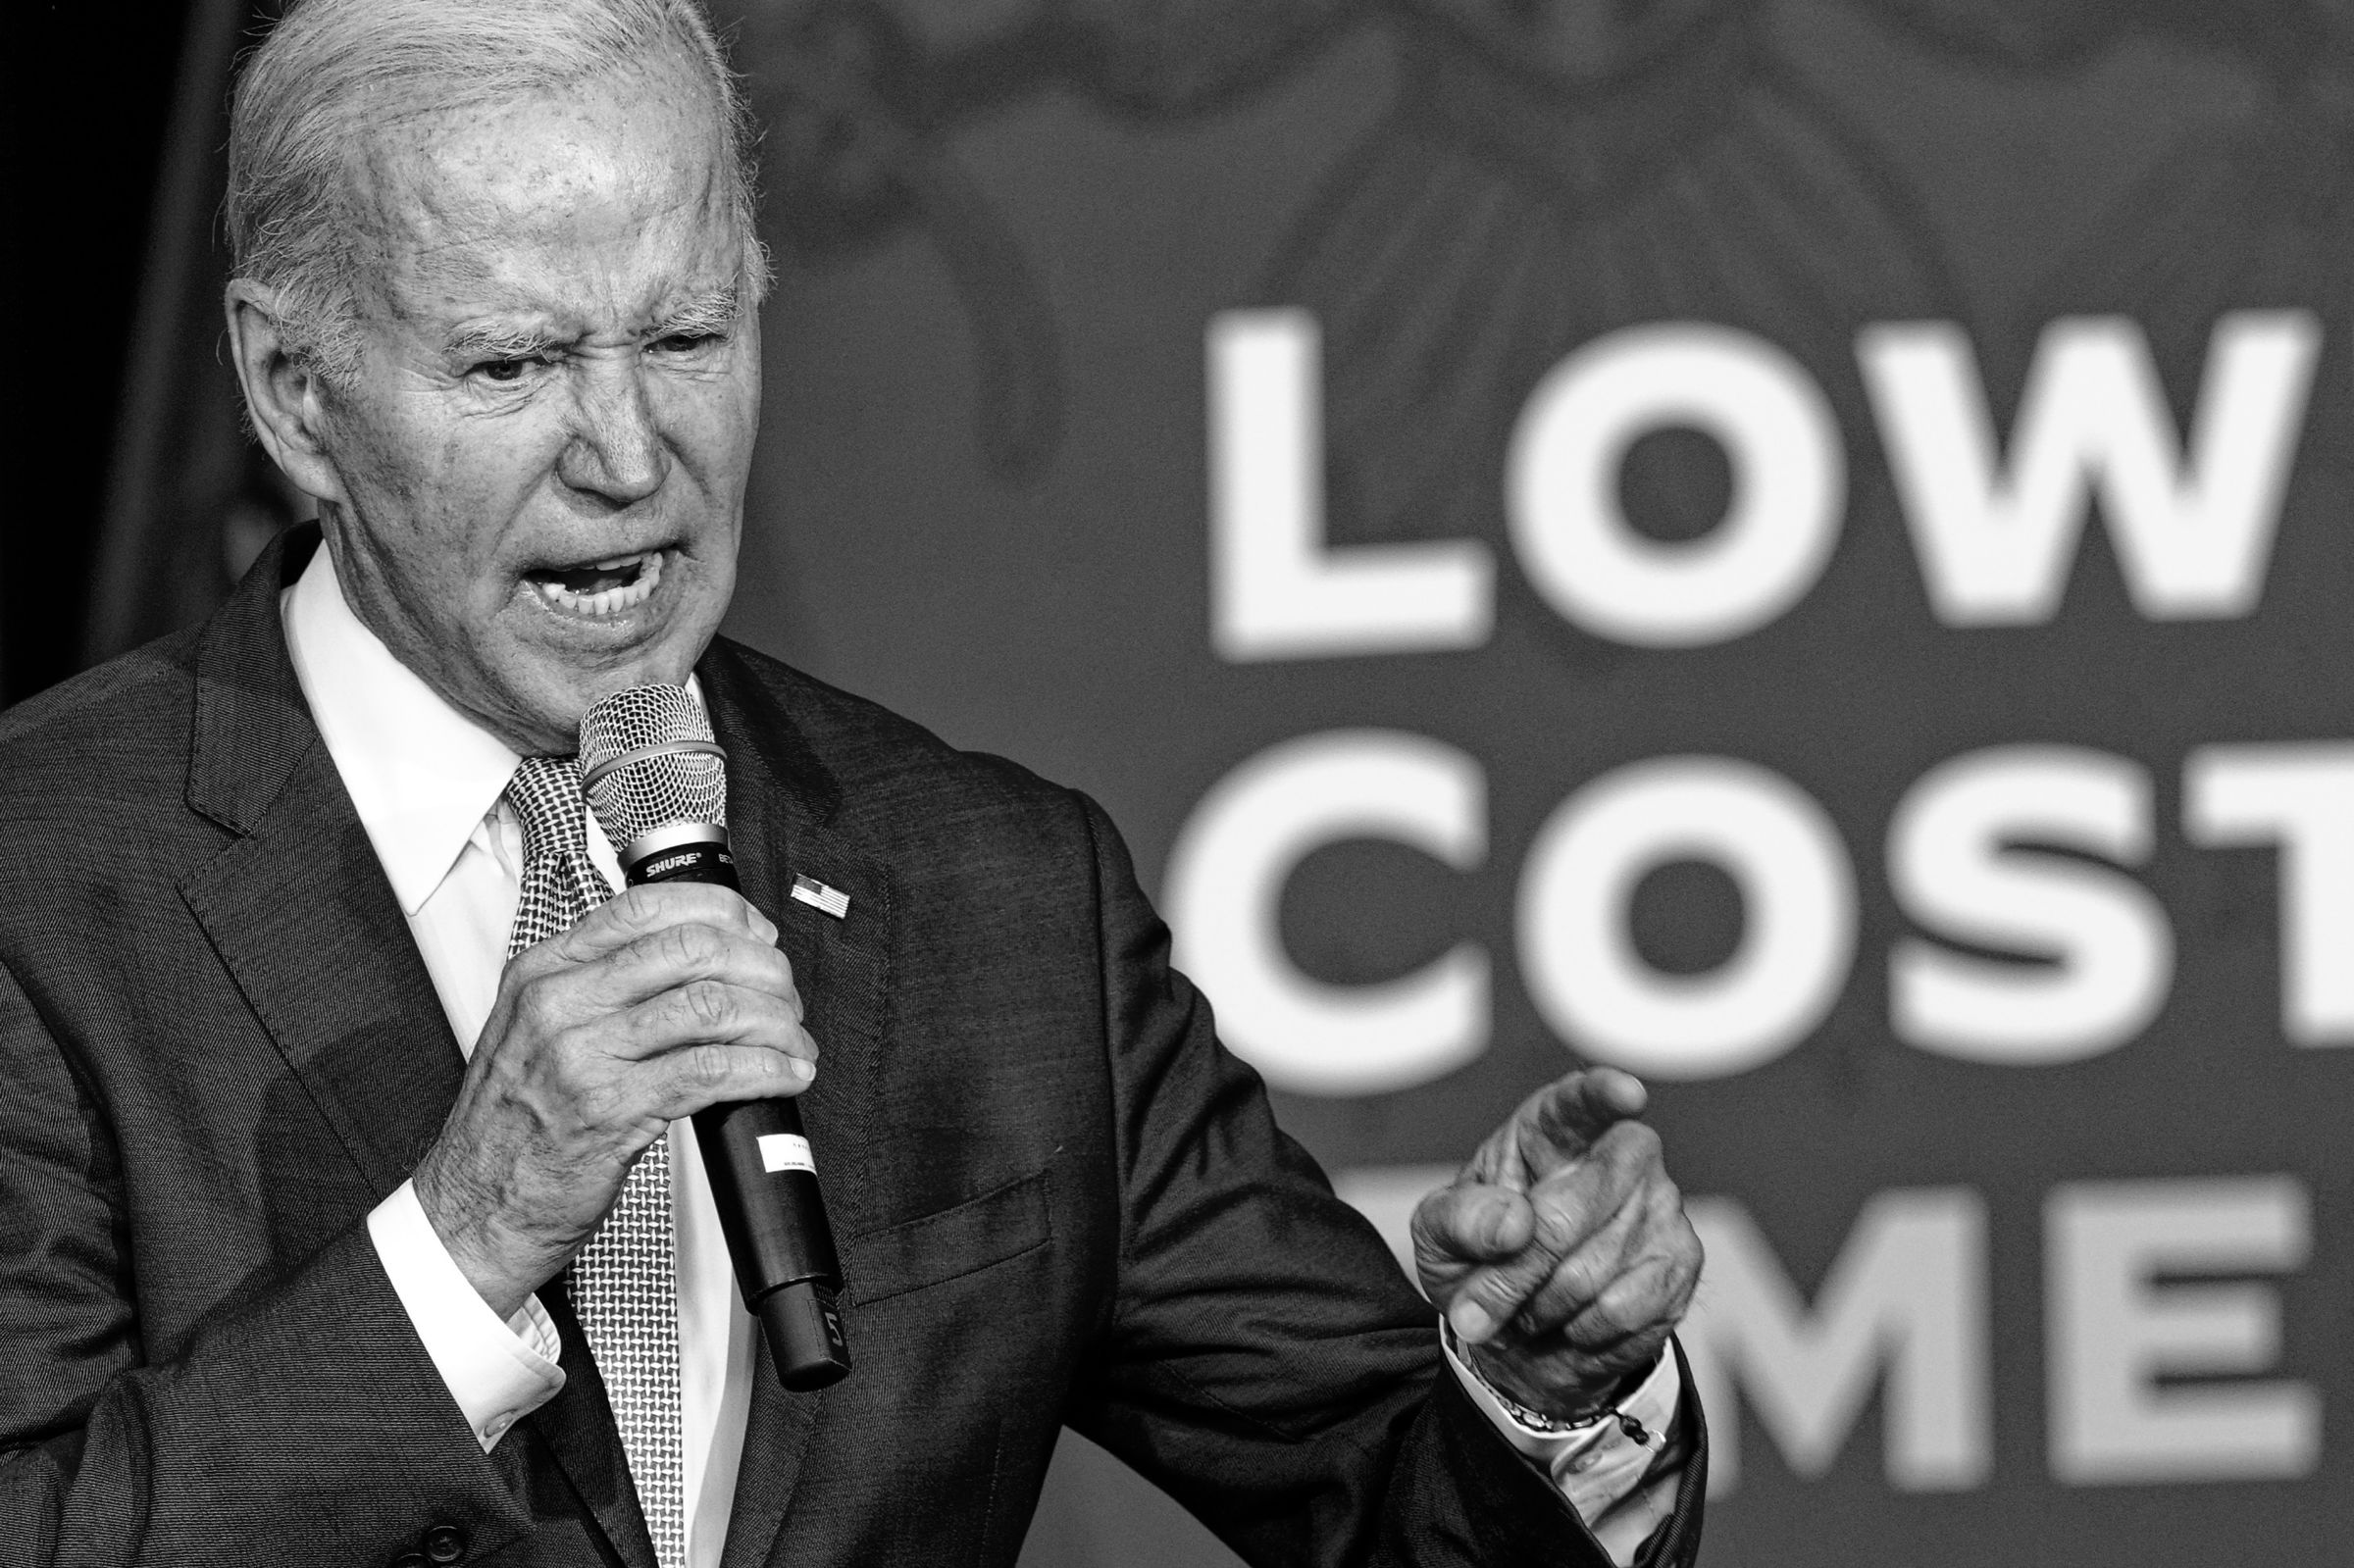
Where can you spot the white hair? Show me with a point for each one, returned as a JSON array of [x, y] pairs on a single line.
[[307, 97]]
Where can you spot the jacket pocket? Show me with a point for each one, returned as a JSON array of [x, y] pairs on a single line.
[[932, 1248]]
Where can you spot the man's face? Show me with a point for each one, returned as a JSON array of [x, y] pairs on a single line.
[[542, 454]]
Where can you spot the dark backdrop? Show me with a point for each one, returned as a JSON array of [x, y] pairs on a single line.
[[83, 152], [1799, 547]]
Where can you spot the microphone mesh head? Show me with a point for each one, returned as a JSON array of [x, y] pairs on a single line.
[[653, 791]]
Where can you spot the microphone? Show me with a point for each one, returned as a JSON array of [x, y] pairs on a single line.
[[657, 781]]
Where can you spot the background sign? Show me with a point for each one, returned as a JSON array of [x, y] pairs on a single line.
[[1799, 548]]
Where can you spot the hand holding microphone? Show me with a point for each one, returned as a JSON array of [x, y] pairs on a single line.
[[656, 779], [655, 1005], [669, 1000]]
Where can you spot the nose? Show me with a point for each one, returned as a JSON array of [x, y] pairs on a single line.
[[615, 451]]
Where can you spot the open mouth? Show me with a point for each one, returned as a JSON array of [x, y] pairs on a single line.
[[600, 590]]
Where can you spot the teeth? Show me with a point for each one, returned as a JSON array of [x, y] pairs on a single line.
[[612, 601]]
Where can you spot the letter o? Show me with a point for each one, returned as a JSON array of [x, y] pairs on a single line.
[[1226, 882], [1798, 898], [1789, 485]]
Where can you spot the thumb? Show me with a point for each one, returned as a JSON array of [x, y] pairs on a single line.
[[1459, 1227]]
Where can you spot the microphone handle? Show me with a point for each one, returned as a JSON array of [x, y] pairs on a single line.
[[764, 1179]]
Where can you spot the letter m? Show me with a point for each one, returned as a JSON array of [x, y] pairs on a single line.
[[1905, 1302], [2194, 538]]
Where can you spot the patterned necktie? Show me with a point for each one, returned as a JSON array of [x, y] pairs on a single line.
[[624, 1283]]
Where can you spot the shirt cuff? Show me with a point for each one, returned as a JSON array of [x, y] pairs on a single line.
[[498, 1371], [1603, 1470]]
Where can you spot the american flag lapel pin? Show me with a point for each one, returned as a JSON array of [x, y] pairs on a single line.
[[817, 895]]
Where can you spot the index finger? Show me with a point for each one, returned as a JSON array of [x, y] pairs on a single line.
[[635, 912], [1568, 1117]]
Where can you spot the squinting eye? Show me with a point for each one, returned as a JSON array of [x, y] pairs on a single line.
[[506, 372], [686, 343]]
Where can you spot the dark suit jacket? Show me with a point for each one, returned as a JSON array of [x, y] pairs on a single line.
[[1061, 1200]]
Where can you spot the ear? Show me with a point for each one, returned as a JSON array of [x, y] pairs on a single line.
[[282, 392]]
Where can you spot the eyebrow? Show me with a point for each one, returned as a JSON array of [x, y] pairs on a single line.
[[705, 313], [498, 341], [712, 312]]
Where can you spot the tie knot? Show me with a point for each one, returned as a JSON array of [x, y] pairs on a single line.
[[545, 792]]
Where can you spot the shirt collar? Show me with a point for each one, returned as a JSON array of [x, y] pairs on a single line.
[[421, 774]]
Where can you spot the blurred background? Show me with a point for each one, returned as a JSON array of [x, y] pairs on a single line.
[[1802, 549]]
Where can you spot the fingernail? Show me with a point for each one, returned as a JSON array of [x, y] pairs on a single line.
[[1471, 1322], [804, 1071]]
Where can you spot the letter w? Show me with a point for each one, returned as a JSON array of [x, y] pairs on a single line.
[[1908, 1293], [1996, 547]]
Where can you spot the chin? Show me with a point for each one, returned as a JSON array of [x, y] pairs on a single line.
[[569, 694], [555, 668]]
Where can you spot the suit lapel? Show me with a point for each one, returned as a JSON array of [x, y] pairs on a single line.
[[778, 800], [300, 913], [297, 906]]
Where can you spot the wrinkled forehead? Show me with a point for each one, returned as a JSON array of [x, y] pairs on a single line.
[[614, 182]]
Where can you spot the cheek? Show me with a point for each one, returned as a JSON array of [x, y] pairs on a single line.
[[474, 482], [381, 460], [402, 458], [433, 499], [712, 425], [479, 461], [719, 417]]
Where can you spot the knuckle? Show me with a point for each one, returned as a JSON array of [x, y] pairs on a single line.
[[535, 1005], [598, 1104], [709, 1067], [707, 943], [687, 946], [1571, 1287], [1558, 1227], [1609, 1318], [1505, 1294], [708, 1003], [561, 1059]]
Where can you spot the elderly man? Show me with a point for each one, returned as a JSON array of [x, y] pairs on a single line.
[[336, 1236]]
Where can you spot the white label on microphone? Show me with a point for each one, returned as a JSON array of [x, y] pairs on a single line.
[[786, 1151]]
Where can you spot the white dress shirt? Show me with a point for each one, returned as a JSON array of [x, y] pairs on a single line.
[[429, 785]]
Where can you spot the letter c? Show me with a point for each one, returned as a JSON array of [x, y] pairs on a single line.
[[1226, 876]]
